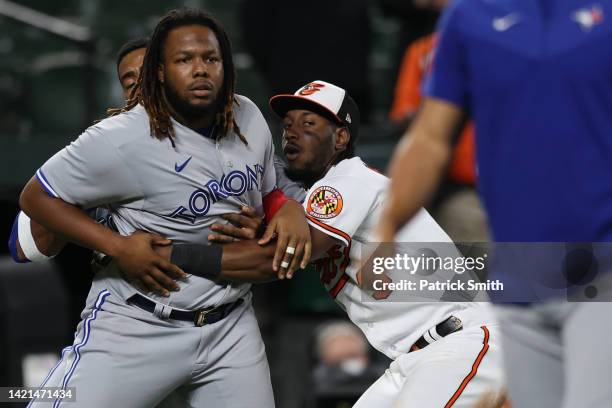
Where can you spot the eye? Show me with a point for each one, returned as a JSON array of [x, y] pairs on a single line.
[[128, 84], [308, 123], [286, 126], [212, 60], [183, 60]]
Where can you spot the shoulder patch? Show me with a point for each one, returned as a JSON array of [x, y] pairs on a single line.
[[325, 202]]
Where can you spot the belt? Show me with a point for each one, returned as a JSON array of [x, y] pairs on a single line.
[[451, 325], [199, 318]]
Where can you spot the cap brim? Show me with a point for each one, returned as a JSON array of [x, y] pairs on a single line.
[[281, 104]]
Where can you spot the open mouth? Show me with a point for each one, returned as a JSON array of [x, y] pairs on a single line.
[[291, 151]]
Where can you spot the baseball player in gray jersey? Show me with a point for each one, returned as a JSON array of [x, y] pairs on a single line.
[[31, 242], [184, 151]]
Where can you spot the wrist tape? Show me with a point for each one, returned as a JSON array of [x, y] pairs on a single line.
[[198, 260], [26, 240]]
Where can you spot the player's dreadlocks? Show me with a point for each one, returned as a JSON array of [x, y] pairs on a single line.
[[148, 91]]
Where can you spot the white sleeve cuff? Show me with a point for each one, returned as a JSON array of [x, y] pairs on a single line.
[[26, 240]]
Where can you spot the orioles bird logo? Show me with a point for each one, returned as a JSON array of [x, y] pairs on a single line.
[[310, 88]]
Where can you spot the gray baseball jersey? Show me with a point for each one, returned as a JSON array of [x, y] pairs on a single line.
[[291, 189], [176, 188]]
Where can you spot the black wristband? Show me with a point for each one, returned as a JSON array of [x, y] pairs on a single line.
[[198, 260]]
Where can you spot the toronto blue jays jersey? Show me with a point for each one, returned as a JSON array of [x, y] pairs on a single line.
[[536, 77], [176, 188]]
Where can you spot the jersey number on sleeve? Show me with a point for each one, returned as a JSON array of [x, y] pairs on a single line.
[[332, 268]]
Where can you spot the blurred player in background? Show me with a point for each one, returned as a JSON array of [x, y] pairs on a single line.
[[185, 106], [341, 344], [342, 353], [456, 205], [535, 77], [343, 367], [129, 61]]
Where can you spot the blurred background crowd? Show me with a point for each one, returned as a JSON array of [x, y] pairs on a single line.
[[58, 75]]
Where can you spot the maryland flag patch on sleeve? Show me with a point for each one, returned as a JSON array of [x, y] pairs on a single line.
[[325, 202]]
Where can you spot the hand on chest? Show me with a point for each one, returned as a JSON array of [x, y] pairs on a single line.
[[203, 180]]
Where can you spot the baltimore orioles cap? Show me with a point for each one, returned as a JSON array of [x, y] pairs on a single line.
[[323, 98]]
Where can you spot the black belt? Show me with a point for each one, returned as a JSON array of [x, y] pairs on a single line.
[[448, 326], [199, 318]]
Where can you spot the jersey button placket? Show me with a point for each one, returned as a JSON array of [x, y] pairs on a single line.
[[220, 157]]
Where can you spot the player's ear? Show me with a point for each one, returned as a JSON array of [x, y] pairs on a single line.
[[160, 73], [342, 138]]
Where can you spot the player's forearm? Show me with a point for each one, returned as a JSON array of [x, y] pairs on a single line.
[[242, 261], [47, 242], [246, 261], [67, 221], [415, 170]]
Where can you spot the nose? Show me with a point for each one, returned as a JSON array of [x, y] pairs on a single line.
[[199, 68], [289, 133]]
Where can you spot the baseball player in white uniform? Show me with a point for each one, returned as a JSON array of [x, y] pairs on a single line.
[[182, 153], [456, 370], [444, 354]]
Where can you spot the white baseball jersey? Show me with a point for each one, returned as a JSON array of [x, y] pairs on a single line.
[[346, 204], [176, 188]]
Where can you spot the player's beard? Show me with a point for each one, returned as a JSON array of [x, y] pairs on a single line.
[[306, 177], [309, 172], [183, 107]]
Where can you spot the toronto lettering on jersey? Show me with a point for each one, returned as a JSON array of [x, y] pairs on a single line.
[[234, 183]]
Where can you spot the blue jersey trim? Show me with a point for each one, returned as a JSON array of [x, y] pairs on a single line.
[[86, 335], [12, 242], [51, 373], [45, 183]]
